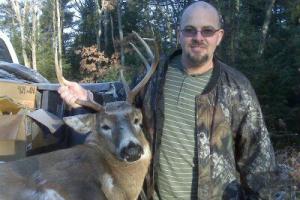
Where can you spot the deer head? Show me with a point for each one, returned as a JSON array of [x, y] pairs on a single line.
[[118, 124]]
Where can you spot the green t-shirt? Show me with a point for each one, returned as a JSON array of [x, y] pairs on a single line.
[[178, 175]]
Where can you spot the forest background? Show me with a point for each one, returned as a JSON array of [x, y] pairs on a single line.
[[262, 39]]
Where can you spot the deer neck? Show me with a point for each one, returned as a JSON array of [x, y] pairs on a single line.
[[128, 176]]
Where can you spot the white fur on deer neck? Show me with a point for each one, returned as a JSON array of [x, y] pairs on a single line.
[[108, 182]]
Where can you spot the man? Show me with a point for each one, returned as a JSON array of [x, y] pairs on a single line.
[[203, 119]]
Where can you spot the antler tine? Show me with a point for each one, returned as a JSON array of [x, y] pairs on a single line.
[[141, 84], [150, 68], [145, 45], [90, 103], [141, 55]]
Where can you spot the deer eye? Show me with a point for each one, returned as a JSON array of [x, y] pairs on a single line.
[[105, 127]]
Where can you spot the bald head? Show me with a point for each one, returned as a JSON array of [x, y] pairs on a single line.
[[201, 6]]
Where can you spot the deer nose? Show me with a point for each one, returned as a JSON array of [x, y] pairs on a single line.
[[131, 152]]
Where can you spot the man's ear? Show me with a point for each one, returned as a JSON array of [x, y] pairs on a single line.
[[220, 36], [177, 37], [83, 124]]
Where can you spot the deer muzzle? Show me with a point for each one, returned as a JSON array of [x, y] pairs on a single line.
[[132, 152]]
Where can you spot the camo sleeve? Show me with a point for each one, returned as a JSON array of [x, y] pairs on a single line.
[[255, 154]]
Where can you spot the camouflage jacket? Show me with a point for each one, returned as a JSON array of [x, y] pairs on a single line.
[[235, 154]]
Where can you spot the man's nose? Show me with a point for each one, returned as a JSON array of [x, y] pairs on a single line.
[[198, 35]]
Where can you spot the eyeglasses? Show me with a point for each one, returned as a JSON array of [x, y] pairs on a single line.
[[192, 31]]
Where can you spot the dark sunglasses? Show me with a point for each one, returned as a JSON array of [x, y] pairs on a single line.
[[192, 31]]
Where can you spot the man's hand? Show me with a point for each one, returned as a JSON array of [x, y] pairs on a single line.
[[72, 91]]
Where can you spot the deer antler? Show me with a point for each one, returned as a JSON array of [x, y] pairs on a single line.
[[130, 93], [150, 68], [90, 103]]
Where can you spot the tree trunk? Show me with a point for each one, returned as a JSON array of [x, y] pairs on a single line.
[[159, 16], [34, 36], [235, 30], [57, 45], [99, 32], [55, 40], [120, 32], [112, 32], [21, 23], [106, 29], [59, 33], [237, 8], [175, 16], [265, 26], [169, 25]]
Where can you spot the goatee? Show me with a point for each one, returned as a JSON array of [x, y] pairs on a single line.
[[196, 61]]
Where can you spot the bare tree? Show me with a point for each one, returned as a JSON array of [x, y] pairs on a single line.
[[235, 29], [265, 26], [103, 10], [105, 24], [120, 32], [34, 34], [59, 32], [112, 32], [57, 38], [99, 15], [20, 15]]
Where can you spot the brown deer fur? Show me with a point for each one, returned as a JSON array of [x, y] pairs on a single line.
[[112, 163], [94, 170]]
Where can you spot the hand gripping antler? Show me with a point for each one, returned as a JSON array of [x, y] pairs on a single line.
[[90, 103], [150, 68]]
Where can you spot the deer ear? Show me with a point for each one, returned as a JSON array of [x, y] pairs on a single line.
[[81, 123]]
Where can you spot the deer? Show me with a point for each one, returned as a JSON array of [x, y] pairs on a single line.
[[110, 165]]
